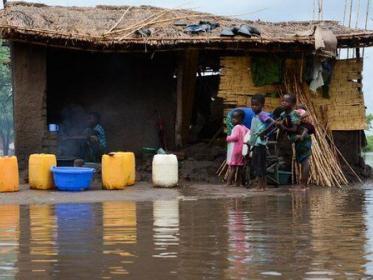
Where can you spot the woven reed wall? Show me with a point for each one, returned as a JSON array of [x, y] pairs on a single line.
[[344, 110], [237, 87]]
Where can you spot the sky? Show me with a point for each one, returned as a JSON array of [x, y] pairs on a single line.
[[267, 10]]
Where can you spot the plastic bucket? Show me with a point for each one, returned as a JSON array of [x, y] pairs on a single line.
[[72, 178]]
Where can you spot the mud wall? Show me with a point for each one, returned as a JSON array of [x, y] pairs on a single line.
[[130, 91], [29, 87], [350, 143]]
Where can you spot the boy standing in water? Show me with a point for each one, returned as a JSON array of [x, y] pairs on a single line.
[[290, 124], [260, 125]]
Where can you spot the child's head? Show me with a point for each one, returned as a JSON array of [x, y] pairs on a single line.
[[238, 116], [93, 119], [288, 101], [257, 103]]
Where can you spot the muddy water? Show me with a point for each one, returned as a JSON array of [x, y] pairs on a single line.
[[321, 235]]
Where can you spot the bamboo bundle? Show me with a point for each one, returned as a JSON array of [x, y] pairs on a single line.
[[325, 167]]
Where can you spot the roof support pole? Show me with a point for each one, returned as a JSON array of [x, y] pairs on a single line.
[[185, 92]]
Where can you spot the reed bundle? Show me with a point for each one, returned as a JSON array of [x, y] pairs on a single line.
[[326, 169]]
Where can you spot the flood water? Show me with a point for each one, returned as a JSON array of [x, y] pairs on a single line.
[[320, 235]]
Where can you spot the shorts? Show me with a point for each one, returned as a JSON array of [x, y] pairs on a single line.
[[258, 161]]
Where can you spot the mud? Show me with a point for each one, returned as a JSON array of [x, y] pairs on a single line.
[[140, 192]]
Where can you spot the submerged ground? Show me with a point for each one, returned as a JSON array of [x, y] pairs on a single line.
[[194, 232]]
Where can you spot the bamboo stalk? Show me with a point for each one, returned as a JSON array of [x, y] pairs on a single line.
[[325, 168], [119, 21], [160, 15], [222, 166]]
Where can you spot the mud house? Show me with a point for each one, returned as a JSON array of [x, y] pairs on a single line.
[[148, 69]]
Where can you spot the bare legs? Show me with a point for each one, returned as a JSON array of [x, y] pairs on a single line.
[[235, 174], [262, 184], [305, 173]]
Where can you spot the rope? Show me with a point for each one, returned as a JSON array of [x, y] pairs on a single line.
[[357, 13], [350, 18], [349, 24], [314, 10], [366, 21], [345, 12], [321, 10]]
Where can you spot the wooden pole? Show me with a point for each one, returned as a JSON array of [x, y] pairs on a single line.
[[185, 91]]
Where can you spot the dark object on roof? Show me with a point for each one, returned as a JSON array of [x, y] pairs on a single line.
[[213, 25], [203, 26], [227, 32], [244, 30], [144, 32], [197, 28], [88, 28], [254, 31]]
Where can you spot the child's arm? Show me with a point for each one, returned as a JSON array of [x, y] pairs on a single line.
[[271, 123], [234, 137], [303, 135], [293, 128]]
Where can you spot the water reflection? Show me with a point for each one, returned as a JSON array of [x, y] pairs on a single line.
[[166, 228], [338, 235], [326, 234], [43, 251], [9, 239], [79, 240], [368, 215], [119, 237]]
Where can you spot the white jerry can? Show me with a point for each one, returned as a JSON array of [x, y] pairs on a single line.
[[165, 171]]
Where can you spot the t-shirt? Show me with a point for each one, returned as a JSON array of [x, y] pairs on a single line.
[[291, 119], [100, 132], [258, 124]]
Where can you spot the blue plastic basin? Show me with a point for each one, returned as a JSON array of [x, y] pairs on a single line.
[[72, 178]]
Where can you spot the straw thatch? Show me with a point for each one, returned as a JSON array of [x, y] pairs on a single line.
[[108, 27]]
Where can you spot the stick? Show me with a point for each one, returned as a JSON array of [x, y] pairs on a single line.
[[221, 166], [217, 133], [223, 169], [345, 161], [144, 24], [119, 21]]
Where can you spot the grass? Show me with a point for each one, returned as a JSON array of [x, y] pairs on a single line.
[[369, 147]]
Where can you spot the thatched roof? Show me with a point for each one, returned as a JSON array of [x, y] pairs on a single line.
[[76, 27]]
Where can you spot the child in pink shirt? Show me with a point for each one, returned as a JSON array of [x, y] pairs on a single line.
[[235, 159]]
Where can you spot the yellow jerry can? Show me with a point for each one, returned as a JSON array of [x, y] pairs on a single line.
[[40, 174], [9, 176], [114, 173], [130, 166]]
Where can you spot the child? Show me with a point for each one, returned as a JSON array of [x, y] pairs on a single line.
[[291, 123], [306, 127], [235, 159], [260, 125]]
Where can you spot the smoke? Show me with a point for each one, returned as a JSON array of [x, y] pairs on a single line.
[[74, 120]]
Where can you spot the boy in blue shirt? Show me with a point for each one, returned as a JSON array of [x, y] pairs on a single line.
[[260, 125]]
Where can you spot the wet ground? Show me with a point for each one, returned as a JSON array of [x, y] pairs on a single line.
[[199, 232]]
